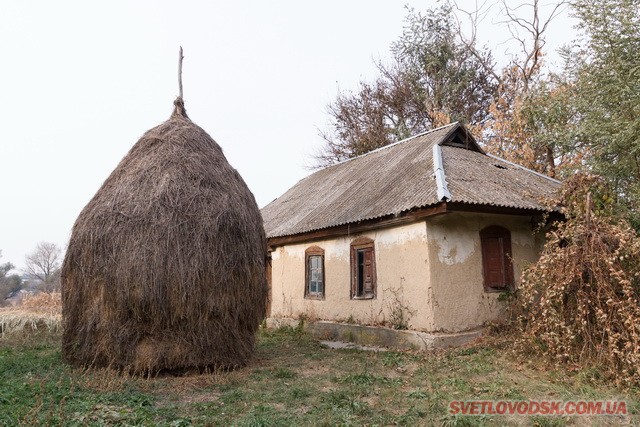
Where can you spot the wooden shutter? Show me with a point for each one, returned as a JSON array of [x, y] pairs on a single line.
[[363, 268], [368, 272], [269, 282], [494, 270], [496, 257]]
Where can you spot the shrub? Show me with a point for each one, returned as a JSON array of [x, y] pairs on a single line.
[[579, 302], [43, 301]]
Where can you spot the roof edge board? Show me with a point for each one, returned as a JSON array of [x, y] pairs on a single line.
[[386, 221], [391, 220]]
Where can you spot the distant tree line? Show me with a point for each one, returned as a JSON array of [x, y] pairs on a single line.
[[9, 283]]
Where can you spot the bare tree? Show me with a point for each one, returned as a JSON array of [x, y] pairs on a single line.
[[43, 264], [514, 129], [530, 34], [527, 24], [469, 39]]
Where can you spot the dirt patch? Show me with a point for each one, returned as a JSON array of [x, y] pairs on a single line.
[[199, 398], [341, 345]]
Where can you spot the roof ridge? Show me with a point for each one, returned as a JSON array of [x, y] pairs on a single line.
[[393, 144]]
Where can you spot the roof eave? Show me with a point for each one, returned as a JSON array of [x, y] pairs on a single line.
[[387, 221], [407, 217]]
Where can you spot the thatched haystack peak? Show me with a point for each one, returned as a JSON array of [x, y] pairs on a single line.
[[165, 269], [179, 110]]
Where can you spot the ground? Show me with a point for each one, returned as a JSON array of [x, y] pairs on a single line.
[[293, 380]]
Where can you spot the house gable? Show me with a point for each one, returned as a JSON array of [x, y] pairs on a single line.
[[460, 137]]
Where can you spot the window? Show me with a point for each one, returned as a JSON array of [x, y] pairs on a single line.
[[496, 258], [363, 269], [314, 273]]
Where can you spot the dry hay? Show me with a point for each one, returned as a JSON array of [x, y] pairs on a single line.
[[14, 320], [165, 269], [37, 312], [48, 302]]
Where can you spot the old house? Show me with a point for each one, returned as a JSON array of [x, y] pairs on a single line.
[[423, 235]]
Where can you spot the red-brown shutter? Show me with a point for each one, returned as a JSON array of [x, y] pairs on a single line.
[[496, 257], [493, 256]]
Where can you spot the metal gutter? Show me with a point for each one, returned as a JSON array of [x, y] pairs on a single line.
[[438, 173]]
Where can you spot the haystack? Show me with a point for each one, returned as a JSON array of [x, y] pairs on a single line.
[[165, 269]]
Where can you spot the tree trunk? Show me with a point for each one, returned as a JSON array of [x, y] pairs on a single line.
[[550, 162]]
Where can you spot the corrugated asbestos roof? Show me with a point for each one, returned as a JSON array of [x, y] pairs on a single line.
[[400, 177]]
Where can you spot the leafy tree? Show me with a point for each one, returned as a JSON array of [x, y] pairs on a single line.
[[433, 80], [43, 265], [448, 78], [608, 92], [549, 119]]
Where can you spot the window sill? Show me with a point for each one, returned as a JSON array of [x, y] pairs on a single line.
[[315, 297], [364, 297]]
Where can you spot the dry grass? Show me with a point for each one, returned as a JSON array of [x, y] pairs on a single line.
[[43, 302], [37, 312]]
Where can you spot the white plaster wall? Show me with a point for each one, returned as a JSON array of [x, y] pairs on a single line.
[[432, 270], [402, 269], [460, 301]]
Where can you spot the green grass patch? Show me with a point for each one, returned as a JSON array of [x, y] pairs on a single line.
[[292, 380]]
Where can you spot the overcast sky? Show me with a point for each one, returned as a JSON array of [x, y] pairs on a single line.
[[81, 81]]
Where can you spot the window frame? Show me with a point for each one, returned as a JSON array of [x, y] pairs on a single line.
[[308, 253], [504, 236], [357, 245]]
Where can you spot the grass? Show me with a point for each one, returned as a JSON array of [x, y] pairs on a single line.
[[292, 381]]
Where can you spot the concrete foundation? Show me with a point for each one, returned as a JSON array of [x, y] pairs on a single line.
[[378, 336]]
